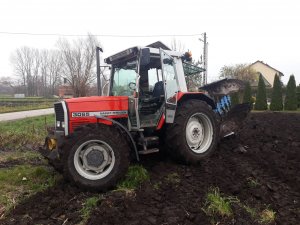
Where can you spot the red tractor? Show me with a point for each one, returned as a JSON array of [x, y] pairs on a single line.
[[148, 107]]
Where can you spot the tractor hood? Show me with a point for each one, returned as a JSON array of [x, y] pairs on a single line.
[[83, 110], [96, 105]]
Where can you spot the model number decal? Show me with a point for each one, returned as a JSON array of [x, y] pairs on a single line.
[[102, 113]]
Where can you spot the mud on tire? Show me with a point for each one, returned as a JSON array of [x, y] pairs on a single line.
[[182, 136], [95, 143]]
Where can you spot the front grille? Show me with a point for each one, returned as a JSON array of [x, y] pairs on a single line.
[[59, 112]]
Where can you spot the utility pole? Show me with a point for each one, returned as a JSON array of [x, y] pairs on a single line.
[[204, 77]]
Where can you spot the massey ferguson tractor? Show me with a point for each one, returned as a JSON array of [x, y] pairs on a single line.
[[148, 108]]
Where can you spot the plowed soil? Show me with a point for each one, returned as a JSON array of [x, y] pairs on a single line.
[[260, 166]]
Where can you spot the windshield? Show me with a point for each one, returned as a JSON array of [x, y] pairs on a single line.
[[124, 77]]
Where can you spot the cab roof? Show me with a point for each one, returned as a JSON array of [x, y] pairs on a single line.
[[133, 51]]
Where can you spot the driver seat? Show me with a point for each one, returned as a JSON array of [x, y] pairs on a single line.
[[152, 104]]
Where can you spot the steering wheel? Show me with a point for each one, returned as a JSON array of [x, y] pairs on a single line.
[[132, 86]]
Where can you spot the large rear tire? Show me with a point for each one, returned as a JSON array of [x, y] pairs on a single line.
[[96, 157], [194, 134]]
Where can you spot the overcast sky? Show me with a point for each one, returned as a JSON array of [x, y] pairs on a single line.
[[239, 31]]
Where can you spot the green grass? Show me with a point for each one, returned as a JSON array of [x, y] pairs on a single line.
[[22, 156], [19, 182], [267, 216], [217, 204], [284, 111], [27, 99], [135, 176], [24, 133], [251, 211], [23, 104], [88, 206], [173, 178], [7, 109], [252, 182]]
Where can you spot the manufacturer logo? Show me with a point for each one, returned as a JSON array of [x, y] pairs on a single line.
[[80, 114], [102, 113]]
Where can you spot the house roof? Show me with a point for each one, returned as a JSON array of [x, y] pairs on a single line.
[[279, 73]]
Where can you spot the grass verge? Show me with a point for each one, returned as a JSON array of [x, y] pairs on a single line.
[[267, 216], [217, 204], [25, 132], [88, 206], [8, 109], [21, 181], [135, 176], [20, 156]]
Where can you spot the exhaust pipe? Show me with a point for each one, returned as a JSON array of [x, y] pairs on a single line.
[[99, 87]]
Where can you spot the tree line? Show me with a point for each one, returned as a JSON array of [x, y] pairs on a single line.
[[278, 103], [42, 71]]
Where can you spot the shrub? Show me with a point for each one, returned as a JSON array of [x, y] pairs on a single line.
[[291, 98], [247, 98], [135, 176], [261, 98], [276, 100], [217, 204], [235, 99], [298, 96]]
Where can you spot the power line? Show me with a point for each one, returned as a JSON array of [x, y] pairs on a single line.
[[97, 35]]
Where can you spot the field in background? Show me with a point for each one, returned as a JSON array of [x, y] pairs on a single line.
[[10, 104]]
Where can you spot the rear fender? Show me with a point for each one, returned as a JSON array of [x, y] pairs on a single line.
[[182, 97], [196, 95]]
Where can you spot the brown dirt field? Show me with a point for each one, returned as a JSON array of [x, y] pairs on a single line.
[[267, 151]]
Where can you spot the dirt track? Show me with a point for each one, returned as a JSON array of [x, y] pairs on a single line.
[[176, 193]]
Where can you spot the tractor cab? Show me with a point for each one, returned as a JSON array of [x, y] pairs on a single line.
[[151, 77]]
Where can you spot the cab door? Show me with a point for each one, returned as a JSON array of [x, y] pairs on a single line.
[[170, 84]]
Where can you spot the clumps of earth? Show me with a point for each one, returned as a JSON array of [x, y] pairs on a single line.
[[259, 167]]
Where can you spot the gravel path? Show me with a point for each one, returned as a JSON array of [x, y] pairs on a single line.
[[25, 114]]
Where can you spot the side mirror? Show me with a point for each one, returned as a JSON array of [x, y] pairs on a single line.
[[145, 57]]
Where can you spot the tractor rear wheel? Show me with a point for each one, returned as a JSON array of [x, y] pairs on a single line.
[[194, 134], [96, 157]]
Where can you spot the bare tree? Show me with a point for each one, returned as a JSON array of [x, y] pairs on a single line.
[[7, 85], [50, 69], [55, 70], [193, 81], [177, 45], [79, 63], [44, 69], [38, 70], [238, 71], [26, 65]]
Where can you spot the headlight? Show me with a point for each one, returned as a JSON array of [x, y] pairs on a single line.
[[57, 123], [63, 124]]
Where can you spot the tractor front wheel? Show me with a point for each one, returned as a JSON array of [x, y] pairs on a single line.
[[194, 134], [96, 157]]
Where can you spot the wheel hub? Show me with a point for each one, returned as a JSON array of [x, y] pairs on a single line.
[[199, 133], [95, 158], [194, 133]]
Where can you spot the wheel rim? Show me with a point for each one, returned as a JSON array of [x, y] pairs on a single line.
[[199, 133], [94, 159]]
